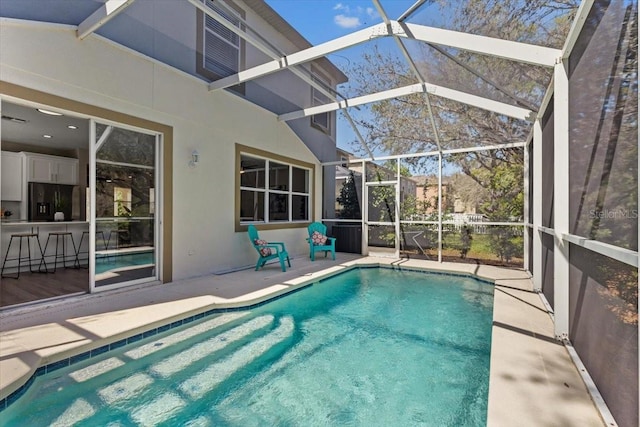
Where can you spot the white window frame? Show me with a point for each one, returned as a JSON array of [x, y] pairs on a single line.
[[289, 193]]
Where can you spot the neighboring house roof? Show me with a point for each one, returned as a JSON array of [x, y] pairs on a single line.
[[284, 28], [344, 153]]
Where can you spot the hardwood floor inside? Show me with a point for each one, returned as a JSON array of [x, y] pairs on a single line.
[[37, 286]]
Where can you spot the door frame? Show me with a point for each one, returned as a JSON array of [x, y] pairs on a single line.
[[395, 223], [158, 209]]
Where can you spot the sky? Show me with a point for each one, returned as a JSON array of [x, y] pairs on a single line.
[[323, 20]]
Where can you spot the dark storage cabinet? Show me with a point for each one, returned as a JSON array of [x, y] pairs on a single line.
[[348, 238]]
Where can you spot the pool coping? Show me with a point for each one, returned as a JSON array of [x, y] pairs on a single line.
[[516, 282]]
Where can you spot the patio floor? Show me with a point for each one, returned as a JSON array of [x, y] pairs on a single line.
[[532, 382]]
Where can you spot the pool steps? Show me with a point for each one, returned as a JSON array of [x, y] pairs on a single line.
[[159, 410], [79, 410], [203, 381], [126, 388], [303, 351], [180, 336], [178, 362]]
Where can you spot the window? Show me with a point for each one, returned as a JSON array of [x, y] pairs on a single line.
[[220, 50], [121, 201], [320, 121], [272, 189]]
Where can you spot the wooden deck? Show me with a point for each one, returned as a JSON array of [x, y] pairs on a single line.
[[38, 286]]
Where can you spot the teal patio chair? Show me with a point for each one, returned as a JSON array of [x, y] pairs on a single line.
[[316, 246], [267, 250]]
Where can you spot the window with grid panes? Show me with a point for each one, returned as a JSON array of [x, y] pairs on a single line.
[[273, 191]]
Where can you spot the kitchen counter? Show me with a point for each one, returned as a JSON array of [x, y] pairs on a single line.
[[42, 229]]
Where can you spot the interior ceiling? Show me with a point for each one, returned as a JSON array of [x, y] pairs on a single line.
[[26, 125]]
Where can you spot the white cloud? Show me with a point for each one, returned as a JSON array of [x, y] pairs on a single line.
[[353, 17], [347, 21]]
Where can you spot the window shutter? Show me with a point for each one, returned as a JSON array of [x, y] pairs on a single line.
[[221, 45]]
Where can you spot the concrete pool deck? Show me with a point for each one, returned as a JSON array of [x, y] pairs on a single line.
[[533, 381]]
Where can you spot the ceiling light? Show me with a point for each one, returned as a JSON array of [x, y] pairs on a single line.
[[47, 136], [14, 119], [48, 112], [72, 127]]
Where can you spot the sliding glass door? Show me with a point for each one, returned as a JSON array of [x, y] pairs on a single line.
[[123, 206]]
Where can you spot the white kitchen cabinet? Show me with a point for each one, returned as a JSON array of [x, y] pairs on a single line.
[[39, 169], [66, 171], [12, 179], [52, 169]]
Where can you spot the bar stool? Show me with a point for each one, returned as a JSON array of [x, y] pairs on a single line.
[[86, 233], [62, 235], [20, 258], [117, 233]]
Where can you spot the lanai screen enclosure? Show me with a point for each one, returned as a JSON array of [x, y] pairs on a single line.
[[501, 132], [538, 124]]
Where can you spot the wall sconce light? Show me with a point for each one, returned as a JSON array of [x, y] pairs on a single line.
[[195, 158]]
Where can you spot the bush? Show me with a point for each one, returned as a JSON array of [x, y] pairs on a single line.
[[505, 243]]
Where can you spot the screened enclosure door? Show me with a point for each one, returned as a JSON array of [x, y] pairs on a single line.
[[124, 205], [381, 215]]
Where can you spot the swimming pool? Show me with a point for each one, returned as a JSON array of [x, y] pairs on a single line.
[[116, 261], [367, 347]]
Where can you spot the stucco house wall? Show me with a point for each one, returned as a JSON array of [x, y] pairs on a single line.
[[96, 71], [166, 30]]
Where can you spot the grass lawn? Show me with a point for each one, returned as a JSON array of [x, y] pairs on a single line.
[[480, 252]]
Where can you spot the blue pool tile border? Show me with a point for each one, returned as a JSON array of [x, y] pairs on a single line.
[[51, 367], [423, 271]]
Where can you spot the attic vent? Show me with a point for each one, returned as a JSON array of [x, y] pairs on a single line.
[[14, 119]]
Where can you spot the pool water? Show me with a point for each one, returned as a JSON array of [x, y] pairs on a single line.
[[113, 262], [370, 347]]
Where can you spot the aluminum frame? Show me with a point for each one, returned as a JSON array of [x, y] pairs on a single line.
[[514, 51], [109, 10]]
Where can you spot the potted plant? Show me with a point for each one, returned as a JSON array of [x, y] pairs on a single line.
[[59, 203]]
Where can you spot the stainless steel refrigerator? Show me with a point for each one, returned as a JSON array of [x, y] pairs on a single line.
[[47, 199]]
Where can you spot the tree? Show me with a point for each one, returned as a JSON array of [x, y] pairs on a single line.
[[391, 165], [348, 199], [403, 125], [467, 190]]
